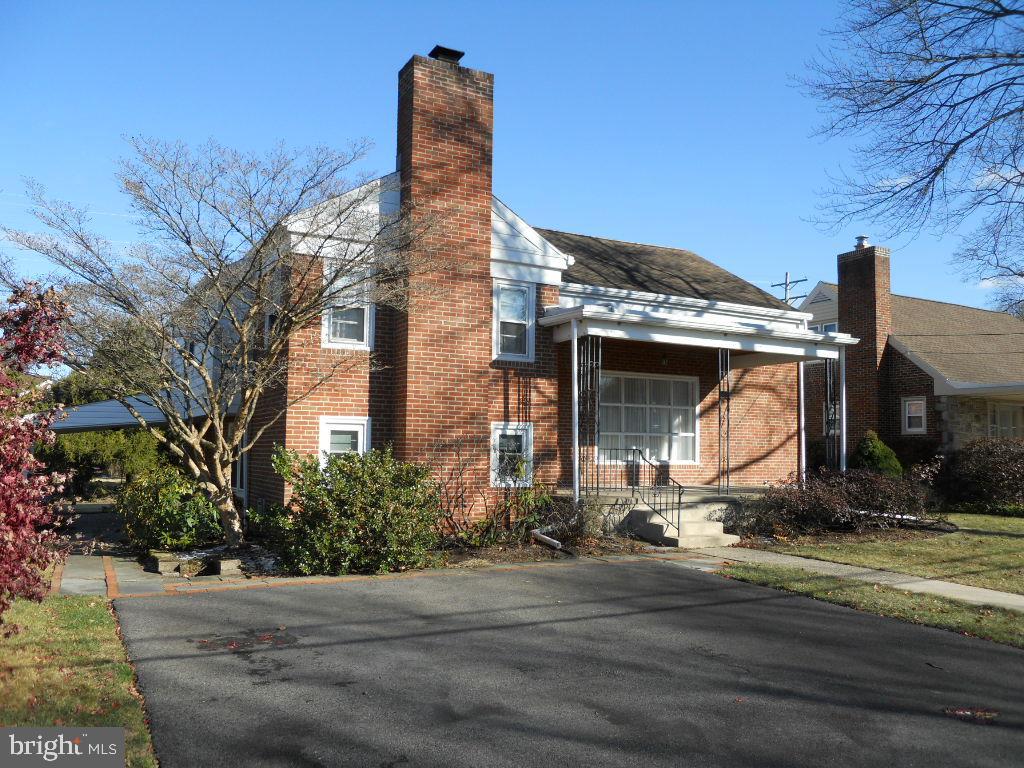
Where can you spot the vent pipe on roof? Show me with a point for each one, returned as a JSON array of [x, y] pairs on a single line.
[[450, 55]]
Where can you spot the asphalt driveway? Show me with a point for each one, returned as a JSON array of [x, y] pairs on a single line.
[[591, 664]]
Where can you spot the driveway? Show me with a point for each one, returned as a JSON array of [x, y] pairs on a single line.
[[588, 663]]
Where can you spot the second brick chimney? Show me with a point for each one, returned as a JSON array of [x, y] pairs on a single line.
[[865, 311]]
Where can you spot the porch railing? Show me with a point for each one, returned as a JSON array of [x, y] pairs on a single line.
[[620, 471]]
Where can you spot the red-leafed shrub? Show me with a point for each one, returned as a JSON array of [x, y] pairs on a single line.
[[30, 335]]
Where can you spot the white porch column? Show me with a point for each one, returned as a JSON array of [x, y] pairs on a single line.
[[575, 411], [801, 421], [842, 409]]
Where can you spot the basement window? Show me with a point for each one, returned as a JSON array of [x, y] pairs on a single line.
[[915, 420], [343, 434], [514, 309], [511, 454]]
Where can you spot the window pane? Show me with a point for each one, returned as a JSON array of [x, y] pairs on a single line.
[[682, 393], [609, 447], [658, 420], [661, 392], [511, 456], [682, 420], [658, 448], [635, 419], [683, 448], [634, 391], [512, 304], [611, 418], [611, 389], [348, 324], [344, 441], [830, 327], [915, 422], [915, 407], [513, 338]]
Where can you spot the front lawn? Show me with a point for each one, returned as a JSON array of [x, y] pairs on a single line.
[[996, 624], [987, 551], [67, 666]]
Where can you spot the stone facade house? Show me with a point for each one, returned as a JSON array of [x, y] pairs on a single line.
[[927, 376]]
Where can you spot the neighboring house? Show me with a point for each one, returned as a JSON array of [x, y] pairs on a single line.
[[539, 355], [926, 375]]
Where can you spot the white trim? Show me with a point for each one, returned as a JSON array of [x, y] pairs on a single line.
[[695, 380], [525, 428], [666, 300], [531, 322], [361, 424], [904, 401], [519, 252]]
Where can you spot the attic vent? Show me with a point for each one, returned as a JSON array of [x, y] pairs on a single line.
[[450, 55]]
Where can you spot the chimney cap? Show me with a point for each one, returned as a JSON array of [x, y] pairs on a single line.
[[862, 242], [450, 55]]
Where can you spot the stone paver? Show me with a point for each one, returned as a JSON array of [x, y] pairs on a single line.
[[948, 589], [83, 575]]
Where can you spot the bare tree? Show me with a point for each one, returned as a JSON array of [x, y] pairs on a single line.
[[238, 252], [934, 92]]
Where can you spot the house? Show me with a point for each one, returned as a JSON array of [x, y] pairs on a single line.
[[927, 376], [587, 364]]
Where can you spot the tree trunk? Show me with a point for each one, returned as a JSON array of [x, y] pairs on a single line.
[[230, 519]]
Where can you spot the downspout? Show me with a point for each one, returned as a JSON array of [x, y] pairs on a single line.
[[842, 409], [575, 411], [801, 422]]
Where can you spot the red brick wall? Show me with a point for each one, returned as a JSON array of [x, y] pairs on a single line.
[[865, 312], [900, 378], [764, 443]]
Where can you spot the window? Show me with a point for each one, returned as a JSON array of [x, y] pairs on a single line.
[[514, 311], [269, 321], [914, 418], [349, 323], [824, 328], [343, 434], [1006, 420], [511, 454], [655, 414]]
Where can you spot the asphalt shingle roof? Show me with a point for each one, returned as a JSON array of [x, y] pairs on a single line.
[[653, 269]]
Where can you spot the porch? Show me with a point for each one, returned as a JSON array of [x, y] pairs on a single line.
[[679, 406]]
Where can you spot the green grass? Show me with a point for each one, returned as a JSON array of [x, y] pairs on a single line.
[[996, 624], [67, 666], [987, 551]]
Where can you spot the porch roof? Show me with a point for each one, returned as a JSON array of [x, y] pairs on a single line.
[[754, 341]]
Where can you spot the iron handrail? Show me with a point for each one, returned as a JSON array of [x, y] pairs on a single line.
[[649, 481]]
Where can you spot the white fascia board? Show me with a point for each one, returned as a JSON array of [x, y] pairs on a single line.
[[667, 301], [638, 327], [518, 252]]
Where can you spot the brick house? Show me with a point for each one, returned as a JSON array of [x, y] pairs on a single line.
[[926, 375], [583, 363]]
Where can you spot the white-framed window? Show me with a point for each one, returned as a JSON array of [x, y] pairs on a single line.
[[349, 323], [343, 434], [1005, 420], [915, 418], [511, 454], [824, 328], [514, 311], [657, 414]]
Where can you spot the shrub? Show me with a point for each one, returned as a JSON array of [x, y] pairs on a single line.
[[987, 508], [987, 471], [365, 513], [875, 456], [83, 455], [833, 501], [163, 509]]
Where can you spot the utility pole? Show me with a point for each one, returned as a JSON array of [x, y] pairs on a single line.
[[787, 285]]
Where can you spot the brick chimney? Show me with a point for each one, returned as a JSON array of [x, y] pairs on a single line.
[[442, 344], [865, 311]]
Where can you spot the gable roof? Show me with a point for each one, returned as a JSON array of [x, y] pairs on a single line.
[[653, 269], [961, 344]]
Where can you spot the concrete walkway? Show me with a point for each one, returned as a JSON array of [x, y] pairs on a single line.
[[107, 575], [948, 589]]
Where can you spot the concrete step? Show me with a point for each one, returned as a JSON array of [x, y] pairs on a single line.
[[700, 542]]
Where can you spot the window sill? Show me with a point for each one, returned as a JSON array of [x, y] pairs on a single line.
[[354, 346]]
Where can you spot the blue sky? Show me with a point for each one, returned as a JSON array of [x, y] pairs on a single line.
[[672, 123]]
